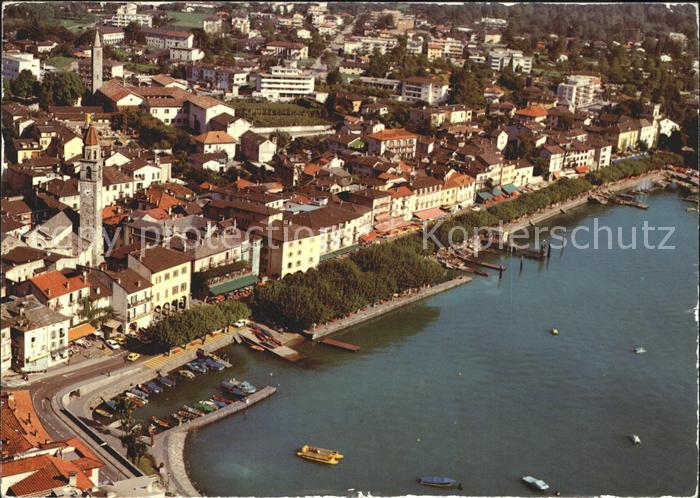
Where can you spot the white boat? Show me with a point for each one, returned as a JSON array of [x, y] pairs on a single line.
[[536, 483], [555, 332], [639, 350], [635, 439]]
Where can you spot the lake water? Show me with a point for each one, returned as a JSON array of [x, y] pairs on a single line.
[[470, 384]]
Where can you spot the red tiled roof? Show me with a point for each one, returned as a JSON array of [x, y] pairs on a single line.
[[393, 134], [21, 429], [532, 112], [54, 284], [215, 137]]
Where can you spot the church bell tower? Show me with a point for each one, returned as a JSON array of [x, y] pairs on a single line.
[[91, 194]]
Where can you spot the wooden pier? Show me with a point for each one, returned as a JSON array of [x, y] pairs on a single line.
[[339, 344]]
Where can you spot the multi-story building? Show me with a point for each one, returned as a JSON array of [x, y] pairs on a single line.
[[447, 48], [180, 54], [5, 344], [168, 38], [110, 70], [13, 64], [61, 291], [397, 141], [169, 274], [367, 44], [287, 50], [126, 14], [579, 91], [217, 77], [421, 89], [132, 298], [39, 334], [339, 228], [494, 23], [501, 58], [284, 83], [242, 24], [111, 35], [289, 248]]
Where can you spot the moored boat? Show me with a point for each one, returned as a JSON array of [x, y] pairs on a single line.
[[439, 482], [639, 350], [555, 332], [161, 423], [154, 387], [135, 399], [205, 407], [218, 403], [104, 413], [196, 367], [166, 381], [111, 404], [138, 392], [213, 364], [316, 455], [538, 484], [186, 373], [222, 399], [635, 439], [194, 411], [144, 388]]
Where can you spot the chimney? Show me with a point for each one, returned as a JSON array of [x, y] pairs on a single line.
[[138, 284], [73, 479], [65, 284]]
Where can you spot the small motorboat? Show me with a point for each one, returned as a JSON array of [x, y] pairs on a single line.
[[538, 484], [136, 399], [554, 332], [213, 364], [154, 387], [639, 350], [256, 347], [240, 389], [188, 374], [161, 423], [196, 367], [218, 403], [178, 419], [104, 413], [138, 392], [111, 404], [206, 407], [635, 439], [184, 414], [166, 381], [439, 482], [320, 455], [194, 411], [145, 388]]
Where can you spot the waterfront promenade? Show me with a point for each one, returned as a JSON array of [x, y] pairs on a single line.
[[380, 309]]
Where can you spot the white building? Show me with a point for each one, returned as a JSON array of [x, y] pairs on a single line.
[[367, 44], [128, 13], [430, 90], [579, 91], [13, 64], [111, 35], [284, 83], [501, 58], [39, 334], [178, 54], [241, 24], [168, 38]]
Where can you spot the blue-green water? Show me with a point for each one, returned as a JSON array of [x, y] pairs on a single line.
[[470, 384]]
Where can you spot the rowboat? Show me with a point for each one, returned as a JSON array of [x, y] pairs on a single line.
[[138, 392], [222, 399], [112, 405], [161, 423], [145, 388], [186, 415], [316, 449], [166, 381], [103, 413], [213, 364], [186, 374], [318, 455], [538, 484], [256, 347], [137, 400], [439, 482]]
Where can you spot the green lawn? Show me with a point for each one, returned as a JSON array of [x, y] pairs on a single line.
[[186, 19], [61, 63], [278, 114], [74, 24], [140, 68]]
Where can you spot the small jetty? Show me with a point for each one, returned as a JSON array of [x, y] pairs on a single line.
[[339, 344], [253, 339]]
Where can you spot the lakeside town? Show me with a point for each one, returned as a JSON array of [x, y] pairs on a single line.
[[180, 177]]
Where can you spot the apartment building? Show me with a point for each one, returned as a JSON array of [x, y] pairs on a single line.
[[421, 89], [499, 59], [579, 91], [217, 77], [61, 291], [288, 248], [367, 44], [286, 50], [447, 48], [13, 64], [169, 274], [284, 83], [126, 14], [168, 38], [111, 35], [338, 227], [132, 298], [110, 70], [182, 54], [38, 335], [397, 141]]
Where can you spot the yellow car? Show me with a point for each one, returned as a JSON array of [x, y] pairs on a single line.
[[119, 339], [133, 356]]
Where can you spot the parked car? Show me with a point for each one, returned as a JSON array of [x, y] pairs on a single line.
[[119, 339], [241, 323], [112, 344], [133, 356]]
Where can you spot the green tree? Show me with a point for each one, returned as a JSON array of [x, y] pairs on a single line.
[[334, 77], [24, 85], [94, 315], [133, 34], [62, 88]]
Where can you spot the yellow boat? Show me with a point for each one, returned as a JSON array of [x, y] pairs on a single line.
[[321, 455]]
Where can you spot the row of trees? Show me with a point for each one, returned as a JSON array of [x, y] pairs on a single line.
[[152, 131], [342, 286], [195, 323], [634, 167], [62, 88]]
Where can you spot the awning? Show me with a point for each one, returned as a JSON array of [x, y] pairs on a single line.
[[380, 218], [429, 214], [80, 331], [112, 324], [367, 238], [510, 189], [484, 196], [232, 285], [339, 252], [393, 224], [496, 192], [582, 169]]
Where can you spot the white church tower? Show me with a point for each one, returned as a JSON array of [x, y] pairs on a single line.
[[91, 194]]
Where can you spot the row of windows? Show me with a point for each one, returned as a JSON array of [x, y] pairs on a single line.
[[298, 263], [175, 274]]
